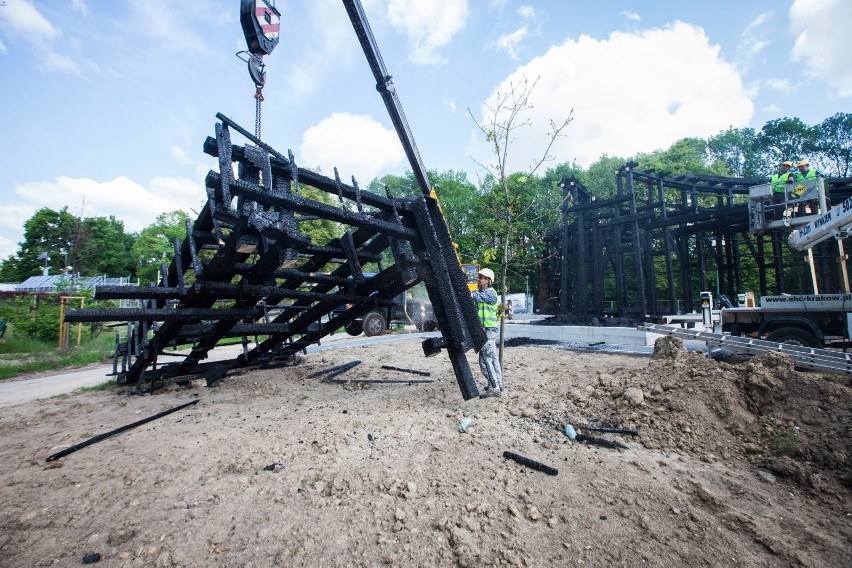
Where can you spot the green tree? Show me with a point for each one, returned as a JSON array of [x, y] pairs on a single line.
[[784, 139], [508, 195], [460, 200], [48, 234], [320, 231], [9, 269], [738, 149], [832, 145], [599, 179], [462, 205], [686, 156], [398, 186], [154, 245], [102, 247]]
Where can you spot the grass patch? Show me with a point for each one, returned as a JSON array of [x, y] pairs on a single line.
[[104, 386], [785, 443], [19, 355]]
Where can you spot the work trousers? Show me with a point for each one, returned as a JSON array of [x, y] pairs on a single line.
[[778, 198], [489, 363]]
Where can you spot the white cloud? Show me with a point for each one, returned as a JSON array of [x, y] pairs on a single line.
[[52, 61], [356, 144], [781, 85], [333, 44], [771, 109], [20, 18], [25, 20], [822, 28], [428, 26], [12, 227], [527, 12], [159, 23], [182, 158], [760, 20], [631, 93], [127, 200], [511, 42], [631, 16], [449, 103], [79, 6], [3, 48], [754, 40]]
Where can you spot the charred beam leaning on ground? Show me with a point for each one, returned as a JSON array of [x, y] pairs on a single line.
[[246, 269]]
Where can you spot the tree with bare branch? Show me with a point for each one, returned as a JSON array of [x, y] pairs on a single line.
[[508, 113]]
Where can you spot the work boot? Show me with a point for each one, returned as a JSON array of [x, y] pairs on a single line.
[[489, 393]]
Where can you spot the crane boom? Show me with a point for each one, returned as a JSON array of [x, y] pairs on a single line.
[[384, 84], [835, 223]]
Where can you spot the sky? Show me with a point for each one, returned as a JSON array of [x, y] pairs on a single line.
[[105, 104]]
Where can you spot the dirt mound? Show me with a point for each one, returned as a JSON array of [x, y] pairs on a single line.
[[668, 347], [794, 424]]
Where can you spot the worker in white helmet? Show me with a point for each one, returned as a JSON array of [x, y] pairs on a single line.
[[486, 306]]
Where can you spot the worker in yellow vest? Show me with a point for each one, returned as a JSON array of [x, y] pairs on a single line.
[[779, 182], [486, 306], [805, 173]]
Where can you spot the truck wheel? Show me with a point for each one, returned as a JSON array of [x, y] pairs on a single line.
[[374, 324], [794, 336], [354, 328]]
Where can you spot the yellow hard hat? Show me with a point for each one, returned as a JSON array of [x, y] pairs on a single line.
[[787, 163], [802, 163], [487, 272]]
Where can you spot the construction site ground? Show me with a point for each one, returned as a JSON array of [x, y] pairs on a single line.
[[744, 463]]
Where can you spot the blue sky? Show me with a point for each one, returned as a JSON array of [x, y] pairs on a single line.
[[106, 104]]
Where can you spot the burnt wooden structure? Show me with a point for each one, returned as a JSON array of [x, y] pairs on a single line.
[[660, 240], [246, 269]]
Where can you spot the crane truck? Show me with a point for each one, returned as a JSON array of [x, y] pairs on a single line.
[[808, 320]]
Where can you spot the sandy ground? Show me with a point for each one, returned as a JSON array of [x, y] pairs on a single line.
[[742, 464]]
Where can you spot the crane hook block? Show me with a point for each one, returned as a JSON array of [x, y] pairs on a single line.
[[260, 21], [255, 67]]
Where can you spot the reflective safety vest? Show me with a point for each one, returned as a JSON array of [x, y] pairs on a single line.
[[779, 182], [808, 175], [487, 313]]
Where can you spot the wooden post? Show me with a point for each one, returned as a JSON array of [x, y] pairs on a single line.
[[813, 270], [841, 259]]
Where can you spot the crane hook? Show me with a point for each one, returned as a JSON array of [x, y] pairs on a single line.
[[256, 70]]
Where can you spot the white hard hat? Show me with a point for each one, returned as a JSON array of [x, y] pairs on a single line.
[[487, 272]]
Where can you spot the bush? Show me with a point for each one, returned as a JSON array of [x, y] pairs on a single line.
[[33, 316], [36, 316]]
